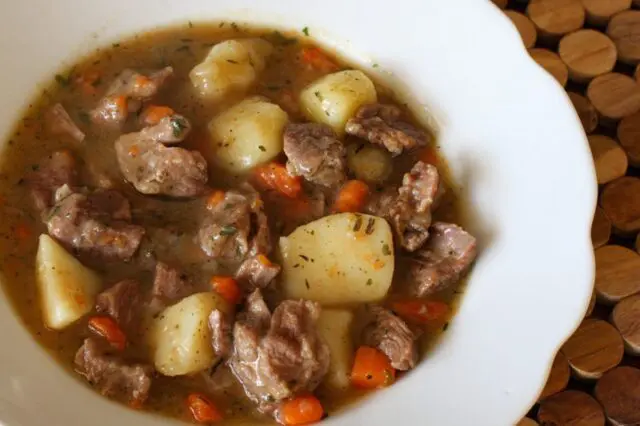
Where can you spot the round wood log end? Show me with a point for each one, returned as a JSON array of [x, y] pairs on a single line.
[[629, 137], [571, 408], [620, 201], [614, 95], [609, 158], [558, 377], [599, 12], [587, 54], [619, 393], [600, 228], [617, 273], [554, 18], [587, 113], [524, 26], [551, 62], [626, 318], [624, 30]]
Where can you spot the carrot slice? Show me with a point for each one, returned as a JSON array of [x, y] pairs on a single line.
[[227, 287], [428, 155], [88, 81], [154, 113], [120, 105], [371, 369], [108, 328], [141, 81], [352, 197], [318, 59], [133, 151], [301, 410], [202, 409], [421, 311], [275, 176], [215, 198]]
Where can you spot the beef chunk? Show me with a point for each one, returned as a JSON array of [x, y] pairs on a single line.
[[55, 171], [110, 374], [220, 327], [442, 261], [170, 284], [236, 227], [153, 168], [132, 86], [315, 152], [96, 225], [381, 124], [121, 302], [391, 335], [281, 357], [59, 123], [257, 272]]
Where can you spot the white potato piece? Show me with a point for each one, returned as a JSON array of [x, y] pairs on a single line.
[[181, 338], [369, 162], [335, 98], [231, 65], [334, 325], [67, 288], [339, 259], [247, 134]]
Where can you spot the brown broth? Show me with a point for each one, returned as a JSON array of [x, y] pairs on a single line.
[[182, 48]]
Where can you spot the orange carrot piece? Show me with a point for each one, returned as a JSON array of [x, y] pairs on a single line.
[[227, 287], [371, 369], [264, 260], [202, 409], [121, 105], [88, 81], [154, 113], [352, 197], [108, 328], [133, 151], [421, 311], [275, 176], [301, 410], [318, 59], [141, 81], [429, 155], [215, 198]]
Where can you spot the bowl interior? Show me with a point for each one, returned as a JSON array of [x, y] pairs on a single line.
[[514, 145]]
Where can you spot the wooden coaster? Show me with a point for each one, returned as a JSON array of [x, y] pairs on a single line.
[[571, 408], [620, 200], [619, 393], [600, 11], [555, 18], [527, 422], [614, 95], [500, 3], [609, 158], [558, 377], [595, 348], [587, 54], [525, 27], [587, 113], [629, 137], [551, 62], [617, 273], [624, 30], [600, 228], [626, 318]]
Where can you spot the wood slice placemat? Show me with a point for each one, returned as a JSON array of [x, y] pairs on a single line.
[[592, 48]]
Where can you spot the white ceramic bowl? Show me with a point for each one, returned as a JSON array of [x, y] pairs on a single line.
[[510, 136]]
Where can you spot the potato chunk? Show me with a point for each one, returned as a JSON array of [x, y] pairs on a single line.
[[334, 325], [231, 65], [369, 162], [340, 259], [181, 338], [247, 134], [335, 98], [67, 288]]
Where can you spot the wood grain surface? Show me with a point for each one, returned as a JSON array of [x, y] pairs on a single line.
[[571, 408], [626, 318], [617, 273], [619, 393], [587, 54]]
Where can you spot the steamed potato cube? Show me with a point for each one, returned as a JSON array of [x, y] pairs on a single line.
[[335, 98], [340, 259], [67, 288], [369, 163], [334, 325], [181, 338], [230, 65], [247, 134]]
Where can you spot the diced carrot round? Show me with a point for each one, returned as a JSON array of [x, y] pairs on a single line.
[[421, 311], [301, 410], [202, 409], [352, 197], [371, 369], [108, 328], [227, 287], [215, 198], [275, 176]]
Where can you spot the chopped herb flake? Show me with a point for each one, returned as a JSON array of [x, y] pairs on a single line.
[[190, 24], [62, 81], [375, 65], [228, 230], [273, 88], [235, 26], [305, 31], [278, 38], [371, 223], [369, 281], [231, 61], [358, 224], [178, 126], [306, 283], [318, 95], [114, 45], [445, 326], [262, 148], [386, 250], [304, 257]]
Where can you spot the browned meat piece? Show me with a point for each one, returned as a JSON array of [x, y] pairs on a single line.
[[121, 302], [110, 374], [391, 335], [153, 168], [315, 152], [96, 225], [236, 227], [288, 358], [220, 327], [289, 213], [444, 259], [257, 272], [59, 123], [170, 284], [134, 88], [381, 202], [55, 171], [381, 124]]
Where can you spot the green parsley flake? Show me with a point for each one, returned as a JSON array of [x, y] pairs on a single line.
[[305, 31], [228, 230]]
